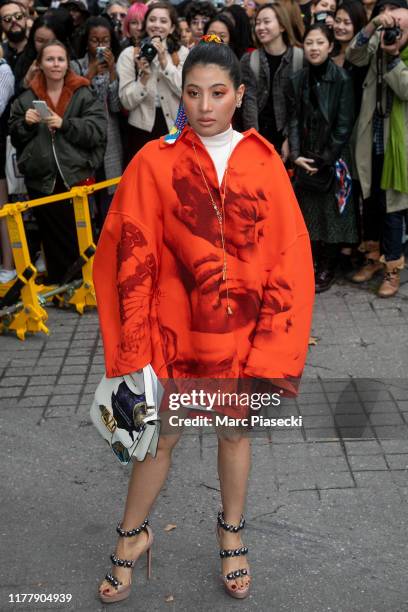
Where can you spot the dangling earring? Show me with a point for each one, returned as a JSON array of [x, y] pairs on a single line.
[[239, 103]]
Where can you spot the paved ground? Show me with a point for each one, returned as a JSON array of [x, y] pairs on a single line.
[[327, 518]]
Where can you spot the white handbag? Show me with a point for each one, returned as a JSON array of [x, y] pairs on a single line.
[[125, 413]]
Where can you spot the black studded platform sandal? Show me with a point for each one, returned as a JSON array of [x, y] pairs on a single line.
[[122, 591], [229, 580]]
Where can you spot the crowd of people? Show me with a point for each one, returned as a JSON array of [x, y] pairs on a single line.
[[84, 85]]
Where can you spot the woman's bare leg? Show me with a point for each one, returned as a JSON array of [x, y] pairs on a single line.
[[145, 483], [6, 252], [234, 462]]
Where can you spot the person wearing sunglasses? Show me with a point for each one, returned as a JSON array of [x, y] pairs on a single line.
[[14, 25], [116, 11]]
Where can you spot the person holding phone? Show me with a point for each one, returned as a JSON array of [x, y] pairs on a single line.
[[323, 11], [100, 49], [59, 151]]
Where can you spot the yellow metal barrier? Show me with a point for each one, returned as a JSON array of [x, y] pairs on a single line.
[[26, 313]]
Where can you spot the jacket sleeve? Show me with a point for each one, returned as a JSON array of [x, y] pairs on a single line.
[[88, 130], [249, 102], [172, 73], [131, 91], [397, 80], [6, 86], [20, 132], [281, 337], [362, 48], [293, 121], [125, 269], [343, 125]]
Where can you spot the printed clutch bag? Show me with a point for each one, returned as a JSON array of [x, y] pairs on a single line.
[[125, 413]]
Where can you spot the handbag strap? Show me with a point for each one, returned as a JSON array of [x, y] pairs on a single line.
[[150, 386]]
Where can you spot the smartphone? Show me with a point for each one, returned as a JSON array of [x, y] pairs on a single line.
[[100, 57], [42, 109]]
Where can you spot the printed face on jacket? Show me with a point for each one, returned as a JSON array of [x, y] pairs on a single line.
[[194, 221]]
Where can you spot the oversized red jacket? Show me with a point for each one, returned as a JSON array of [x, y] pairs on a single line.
[[158, 266]]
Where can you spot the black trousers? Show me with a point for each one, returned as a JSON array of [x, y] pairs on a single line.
[[378, 225], [137, 138], [56, 223]]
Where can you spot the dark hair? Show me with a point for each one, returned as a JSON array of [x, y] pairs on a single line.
[[6, 2], [173, 39], [355, 10], [314, 2], [213, 53], [327, 32], [283, 18], [99, 22], [243, 29], [200, 8], [58, 23], [227, 21], [52, 43]]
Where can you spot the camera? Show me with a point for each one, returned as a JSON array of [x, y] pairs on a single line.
[[147, 50], [391, 35]]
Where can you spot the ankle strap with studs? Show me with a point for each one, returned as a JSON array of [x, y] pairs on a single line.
[[132, 532], [237, 552], [228, 526]]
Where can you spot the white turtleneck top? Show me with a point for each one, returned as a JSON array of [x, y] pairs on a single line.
[[220, 147]]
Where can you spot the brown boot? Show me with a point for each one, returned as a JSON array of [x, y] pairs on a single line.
[[391, 282], [372, 263]]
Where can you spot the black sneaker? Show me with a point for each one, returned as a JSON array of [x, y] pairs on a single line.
[[324, 280]]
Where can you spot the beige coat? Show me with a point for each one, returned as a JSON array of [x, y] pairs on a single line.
[[140, 100], [397, 80]]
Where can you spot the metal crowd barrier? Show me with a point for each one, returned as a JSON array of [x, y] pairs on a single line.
[[22, 301]]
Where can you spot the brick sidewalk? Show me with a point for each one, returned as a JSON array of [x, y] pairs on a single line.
[[327, 509]]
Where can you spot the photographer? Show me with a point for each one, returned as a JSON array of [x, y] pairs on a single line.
[[116, 11], [150, 77], [381, 149]]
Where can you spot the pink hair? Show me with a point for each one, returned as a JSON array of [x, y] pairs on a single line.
[[136, 11]]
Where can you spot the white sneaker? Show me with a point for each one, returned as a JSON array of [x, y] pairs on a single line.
[[40, 263], [7, 275]]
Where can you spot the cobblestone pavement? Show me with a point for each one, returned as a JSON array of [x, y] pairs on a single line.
[[327, 511]]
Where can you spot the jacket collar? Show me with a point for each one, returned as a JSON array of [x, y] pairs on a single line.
[[286, 57], [72, 82], [188, 136]]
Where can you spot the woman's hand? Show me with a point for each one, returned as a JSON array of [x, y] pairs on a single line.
[[109, 63], [383, 20], [32, 117], [144, 70], [305, 163], [54, 122], [161, 51], [92, 70], [285, 150]]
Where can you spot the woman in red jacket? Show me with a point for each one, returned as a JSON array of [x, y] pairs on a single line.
[[203, 270]]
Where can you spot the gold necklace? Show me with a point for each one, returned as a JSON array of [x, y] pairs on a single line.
[[220, 214]]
